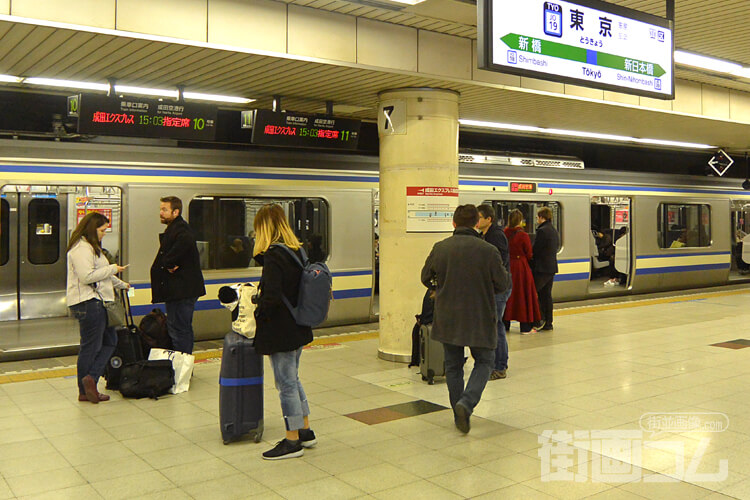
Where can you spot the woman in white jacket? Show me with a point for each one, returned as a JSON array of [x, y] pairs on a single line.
[[91, 281]]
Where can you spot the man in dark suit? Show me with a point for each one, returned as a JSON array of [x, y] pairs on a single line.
[[494, 234], [545, 248], [176, 277], [469, 273]]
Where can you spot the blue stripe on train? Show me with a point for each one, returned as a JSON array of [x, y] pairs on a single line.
[[664, 255], [681, 269], [571, 277], [227, 281], [183, 173], [211, 304], [238, 382]]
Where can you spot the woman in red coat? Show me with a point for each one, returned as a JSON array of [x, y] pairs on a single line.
[[523, 305]]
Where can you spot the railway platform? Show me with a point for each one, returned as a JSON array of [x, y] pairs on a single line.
[[625, 398]]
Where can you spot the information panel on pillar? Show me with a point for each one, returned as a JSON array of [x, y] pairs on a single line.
[[137, 117], [272, 128], [587, 42]]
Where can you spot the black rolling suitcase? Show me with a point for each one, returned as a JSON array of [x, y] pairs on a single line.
[[129, 350], [240, 389], [431, 355]]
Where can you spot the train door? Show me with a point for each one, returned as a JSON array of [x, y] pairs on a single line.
[[740, 241], [610, 244], [33, 279], [36, 224]]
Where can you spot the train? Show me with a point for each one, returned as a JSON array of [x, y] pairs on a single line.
[[676, 231]]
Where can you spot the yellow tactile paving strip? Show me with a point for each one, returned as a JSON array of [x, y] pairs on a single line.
[[335, 339]]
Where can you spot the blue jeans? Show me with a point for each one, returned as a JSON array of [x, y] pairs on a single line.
[[501, 352], [294, 405], [180, 323], [98, 341], [454, 374]]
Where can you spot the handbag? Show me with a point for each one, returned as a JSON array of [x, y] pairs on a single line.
[[115, 311], [182, 363]]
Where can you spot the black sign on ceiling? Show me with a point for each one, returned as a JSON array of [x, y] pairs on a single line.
[[271, 128], [152, 118]]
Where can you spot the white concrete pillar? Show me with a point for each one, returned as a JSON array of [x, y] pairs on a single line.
[[418, 131]]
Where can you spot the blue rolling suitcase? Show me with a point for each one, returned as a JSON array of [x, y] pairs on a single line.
[[241, 390]]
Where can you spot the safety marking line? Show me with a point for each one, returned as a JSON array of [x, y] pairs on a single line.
[[645, 302], [209, 355], [331, 340]]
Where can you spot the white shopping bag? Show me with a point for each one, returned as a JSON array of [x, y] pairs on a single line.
[[183, 367]]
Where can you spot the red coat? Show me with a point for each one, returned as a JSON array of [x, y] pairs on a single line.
[[523, 305]]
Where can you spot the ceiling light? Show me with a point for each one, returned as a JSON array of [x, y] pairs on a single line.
[[588, 135], [128, 89], [215, 97], [10, 79], [68, 84], [710, 64]]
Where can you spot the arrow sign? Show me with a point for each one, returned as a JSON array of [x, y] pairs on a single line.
[[721, 162], [579, 54]]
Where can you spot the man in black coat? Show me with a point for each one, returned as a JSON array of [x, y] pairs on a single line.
[[468, 273], [494, 234], [176, 277], [545, 247]]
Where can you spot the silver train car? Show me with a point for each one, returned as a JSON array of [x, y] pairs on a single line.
[[332, 202]]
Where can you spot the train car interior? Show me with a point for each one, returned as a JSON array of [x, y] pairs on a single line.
[[528, 209], [609, 244], [224, 228], [740, 214]]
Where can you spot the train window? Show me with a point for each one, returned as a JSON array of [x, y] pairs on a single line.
[[44, 231], [683, 225], [224, 228], [529, 210], [4, 232]]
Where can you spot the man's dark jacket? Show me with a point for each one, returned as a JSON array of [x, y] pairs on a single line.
[[177, 248], [469, 272], [496, 236], [545, 247]]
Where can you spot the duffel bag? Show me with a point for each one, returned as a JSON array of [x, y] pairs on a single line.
[[147, 379]]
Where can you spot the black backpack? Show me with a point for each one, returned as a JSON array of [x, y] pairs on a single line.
[[154, 332], [147, 379]]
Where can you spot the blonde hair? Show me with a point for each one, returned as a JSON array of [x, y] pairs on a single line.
[[271, 226], [515, 218]]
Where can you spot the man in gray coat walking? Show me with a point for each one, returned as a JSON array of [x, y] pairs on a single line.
[[468, 272]]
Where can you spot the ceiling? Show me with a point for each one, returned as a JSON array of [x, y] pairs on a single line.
[[55, 52]]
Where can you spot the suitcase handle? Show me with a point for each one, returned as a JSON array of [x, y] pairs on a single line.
[[128, 309]]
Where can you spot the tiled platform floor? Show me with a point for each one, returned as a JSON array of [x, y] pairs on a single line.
[[601, 369]]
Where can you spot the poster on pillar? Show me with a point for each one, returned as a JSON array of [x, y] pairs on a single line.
[[429, 209]]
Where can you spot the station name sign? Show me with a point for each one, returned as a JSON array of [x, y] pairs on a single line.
[[588, 43], [136, 117], [272, 128]]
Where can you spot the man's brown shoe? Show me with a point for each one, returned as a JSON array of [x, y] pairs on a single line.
[[89, 386], [497, 374]]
